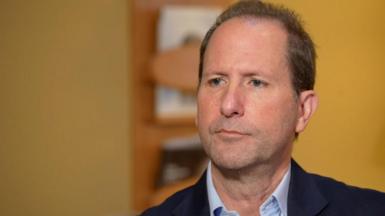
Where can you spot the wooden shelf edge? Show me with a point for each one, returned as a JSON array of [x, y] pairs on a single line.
[[175, 121]]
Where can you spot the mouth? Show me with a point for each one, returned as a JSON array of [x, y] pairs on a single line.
[[233, 133]]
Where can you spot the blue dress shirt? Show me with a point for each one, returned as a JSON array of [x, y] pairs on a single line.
[[275, 205]]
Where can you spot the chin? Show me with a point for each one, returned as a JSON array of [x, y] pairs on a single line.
[[235, 162]]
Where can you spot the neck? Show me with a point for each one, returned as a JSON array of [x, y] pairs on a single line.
[[245, 190]]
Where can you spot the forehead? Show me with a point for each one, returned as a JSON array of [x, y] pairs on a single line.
[[242, 38], [258, 32]]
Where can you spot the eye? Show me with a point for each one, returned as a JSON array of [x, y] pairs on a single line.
[[257, 82], [215, 81]]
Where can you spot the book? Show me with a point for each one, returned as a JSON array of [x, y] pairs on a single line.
[[181, 158]]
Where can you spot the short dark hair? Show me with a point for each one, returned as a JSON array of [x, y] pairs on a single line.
[[301, 53]]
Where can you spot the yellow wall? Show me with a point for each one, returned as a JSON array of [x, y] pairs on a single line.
[[64, 108], [64, 102], [346, 138]]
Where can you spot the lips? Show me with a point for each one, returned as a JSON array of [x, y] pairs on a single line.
[[230, 132], [232, 128], [230, 136]]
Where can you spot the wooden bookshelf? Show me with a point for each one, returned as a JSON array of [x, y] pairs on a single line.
[[149, 131]]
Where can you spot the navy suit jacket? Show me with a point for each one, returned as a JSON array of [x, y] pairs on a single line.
[[309, 195]]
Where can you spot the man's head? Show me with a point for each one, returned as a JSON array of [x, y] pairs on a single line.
[[248, 111], [301, 53]]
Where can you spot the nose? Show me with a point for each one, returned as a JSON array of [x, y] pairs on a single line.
[[232, 103]]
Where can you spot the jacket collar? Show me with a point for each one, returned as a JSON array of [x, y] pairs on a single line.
[[195, 203], [304, 198]]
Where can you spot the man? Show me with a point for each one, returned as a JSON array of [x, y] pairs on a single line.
[[255, 95]]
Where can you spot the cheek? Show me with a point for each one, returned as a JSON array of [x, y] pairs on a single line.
[[202, 114], [207, 109], [205, 117], [261, 116], [272, 113]]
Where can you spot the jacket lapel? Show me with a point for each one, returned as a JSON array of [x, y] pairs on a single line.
[[195, 203], [304, 198]]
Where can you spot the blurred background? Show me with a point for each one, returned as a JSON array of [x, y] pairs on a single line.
[[89, 124]]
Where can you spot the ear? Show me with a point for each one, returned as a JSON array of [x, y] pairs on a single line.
[[307, 105]]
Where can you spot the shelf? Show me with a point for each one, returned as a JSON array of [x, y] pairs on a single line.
[[175, 121], [151, 69], [162, 193], [177, 68]]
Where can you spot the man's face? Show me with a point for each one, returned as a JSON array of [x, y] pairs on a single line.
[[247, 108]]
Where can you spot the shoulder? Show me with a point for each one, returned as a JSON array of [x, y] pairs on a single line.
[[340, 194], [166, 207], [333, 188], [189, 201], [312, 193]]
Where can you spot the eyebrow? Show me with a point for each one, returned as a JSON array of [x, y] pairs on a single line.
[[245, 74], [219, 73], [251, 74]]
